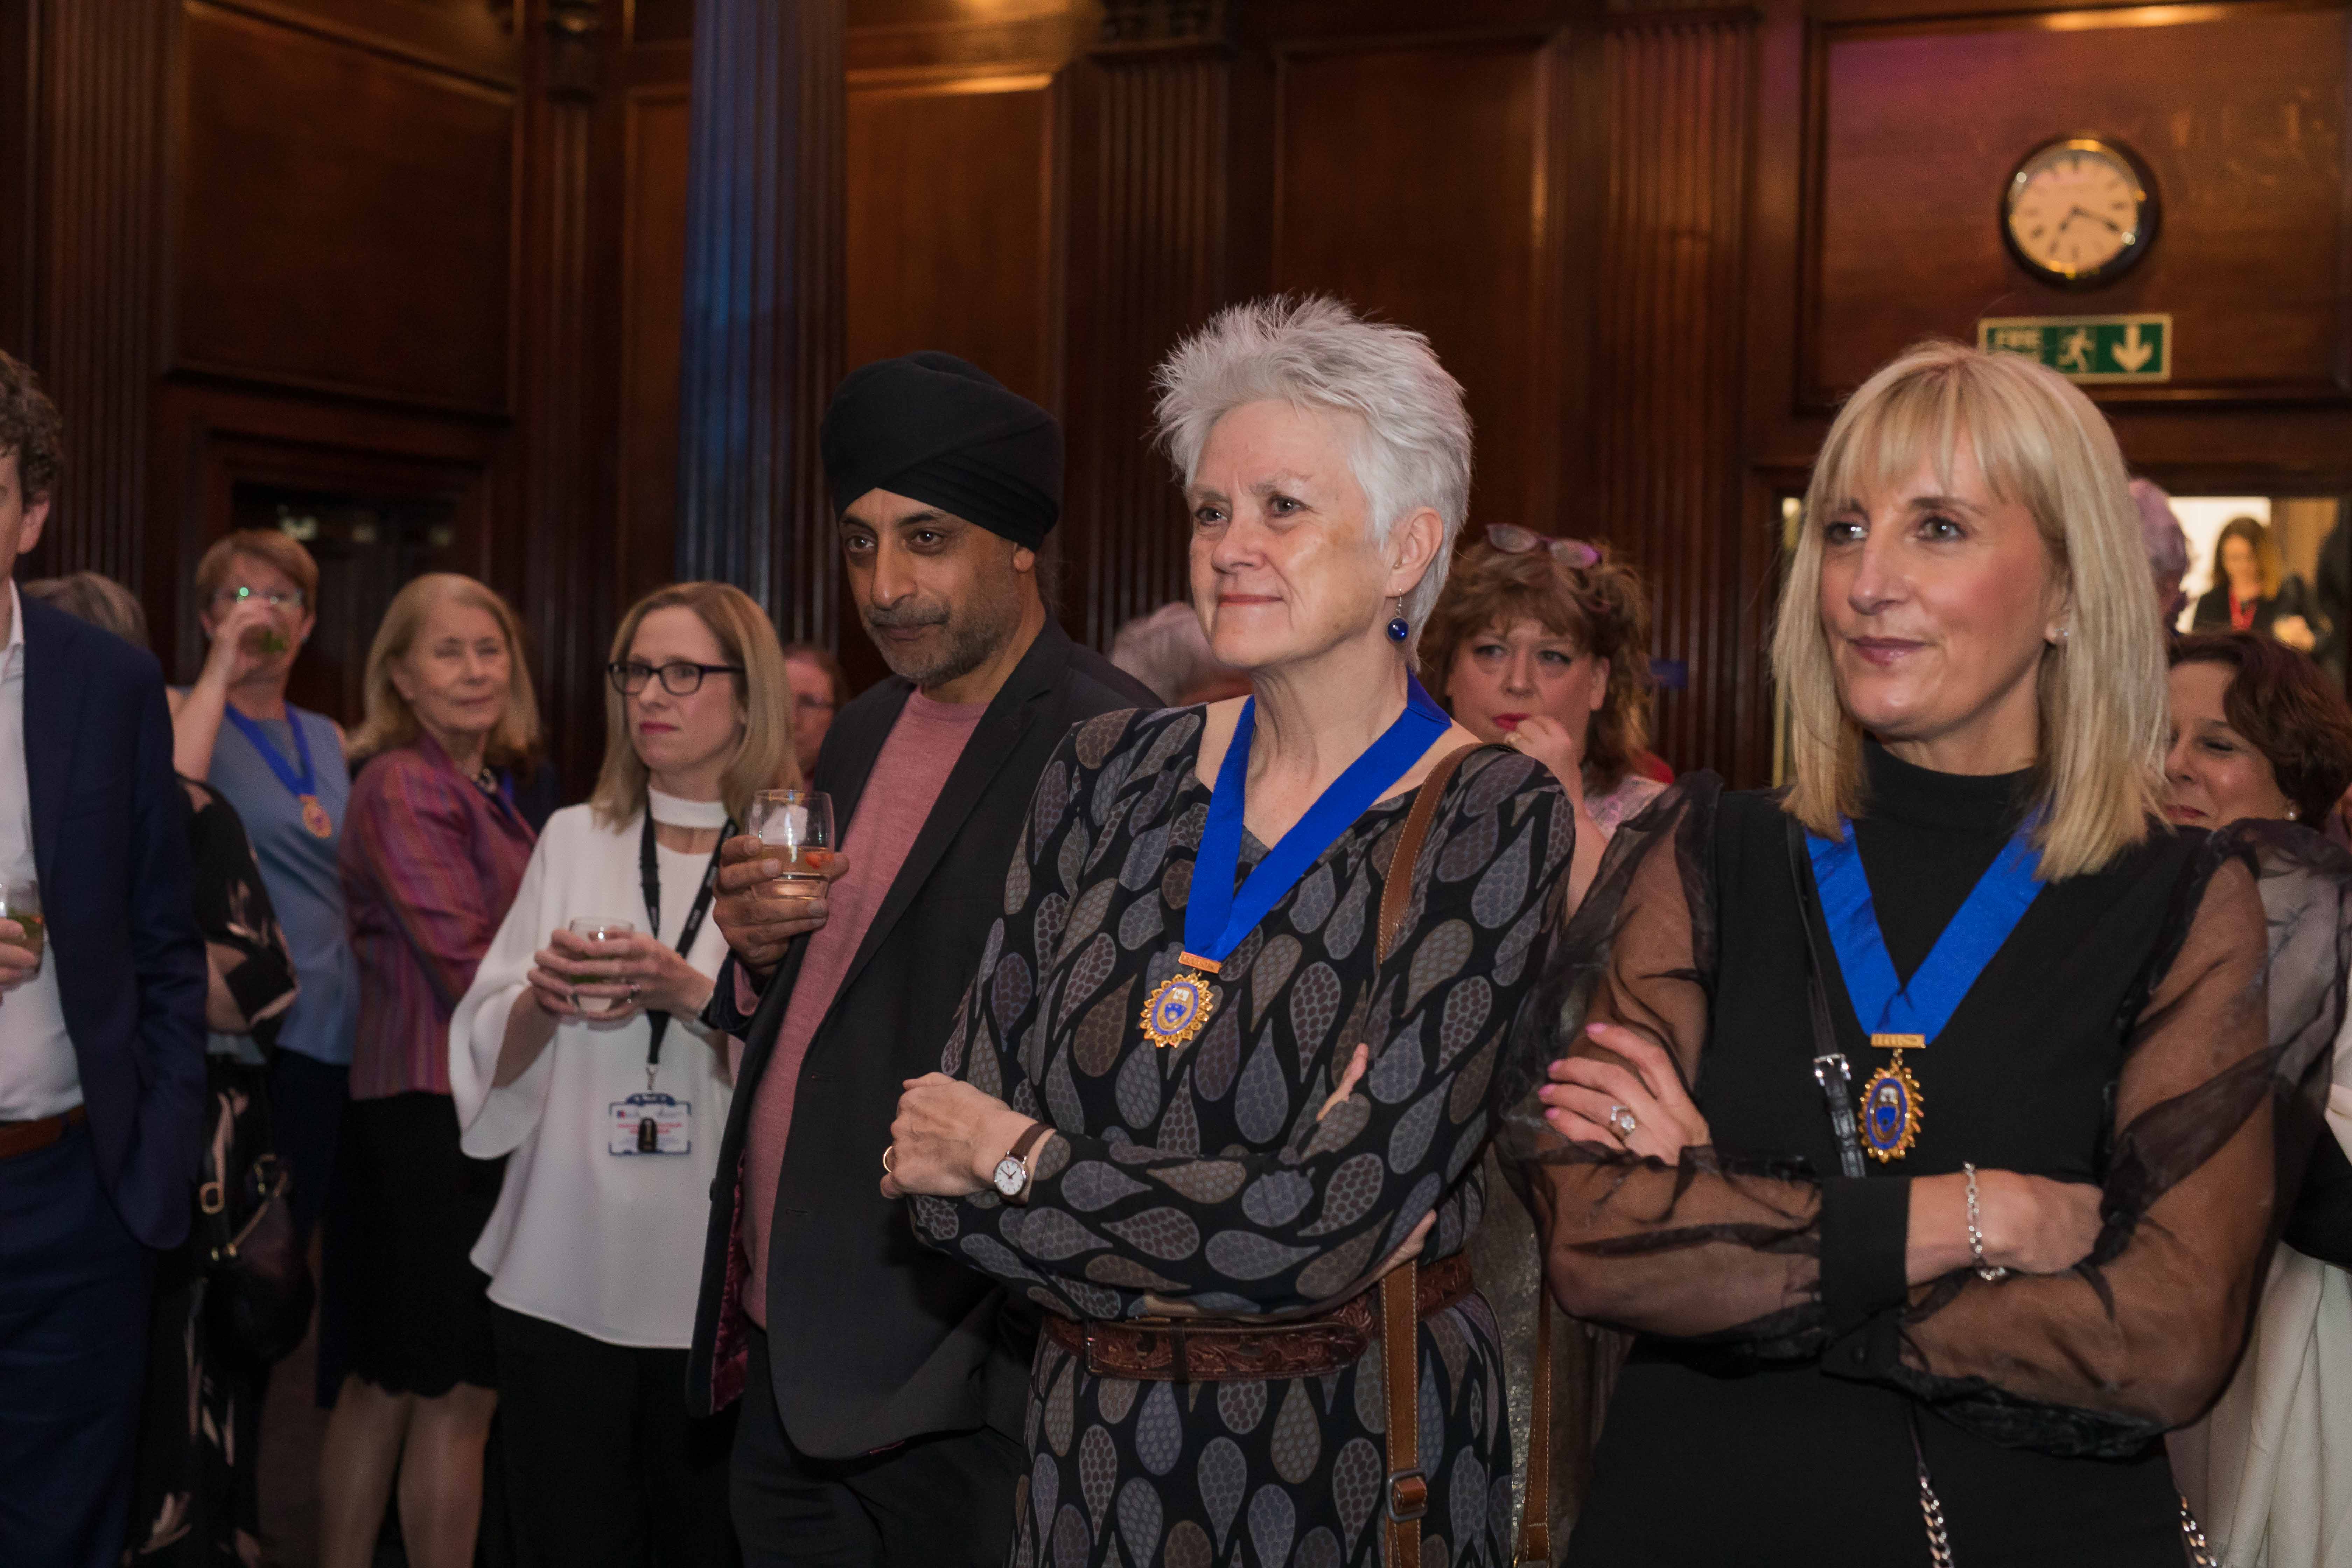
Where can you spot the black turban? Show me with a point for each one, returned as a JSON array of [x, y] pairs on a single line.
[[934, 428]]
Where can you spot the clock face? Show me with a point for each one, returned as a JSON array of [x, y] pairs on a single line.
[[2078, 211]]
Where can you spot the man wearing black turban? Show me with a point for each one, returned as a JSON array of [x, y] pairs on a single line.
[[883, 1384]]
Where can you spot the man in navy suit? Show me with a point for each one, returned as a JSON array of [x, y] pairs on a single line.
[[101, 1035]]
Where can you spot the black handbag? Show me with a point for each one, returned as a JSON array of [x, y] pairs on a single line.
[[259, 1291]]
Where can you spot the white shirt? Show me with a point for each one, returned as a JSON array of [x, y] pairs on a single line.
[[608, 1245], [38, 1074]]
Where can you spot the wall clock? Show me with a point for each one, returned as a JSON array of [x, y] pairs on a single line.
[[2078, 211]]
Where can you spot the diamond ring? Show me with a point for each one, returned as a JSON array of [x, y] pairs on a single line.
[[1623, 1121]]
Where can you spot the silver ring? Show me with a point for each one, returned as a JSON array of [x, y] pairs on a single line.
[[888, 1151], [634, 990], [1623, 1121]]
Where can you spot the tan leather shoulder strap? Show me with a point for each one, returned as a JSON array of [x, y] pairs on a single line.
[[1397, 891], [1405, 1497]]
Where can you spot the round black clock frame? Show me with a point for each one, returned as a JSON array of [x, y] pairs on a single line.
[[2143, 238]]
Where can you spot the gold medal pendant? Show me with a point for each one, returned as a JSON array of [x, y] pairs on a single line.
[[1890, 1101], [1180, 1008], [315, 817]]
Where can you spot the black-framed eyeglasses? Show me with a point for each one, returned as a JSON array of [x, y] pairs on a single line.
[[679, 677], [1512, 540]]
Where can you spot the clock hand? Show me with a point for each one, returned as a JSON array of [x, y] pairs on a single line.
[[2094, 217]]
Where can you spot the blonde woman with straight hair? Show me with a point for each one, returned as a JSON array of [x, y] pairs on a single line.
[[431, 855], [1924, 1122], [584, 1061]]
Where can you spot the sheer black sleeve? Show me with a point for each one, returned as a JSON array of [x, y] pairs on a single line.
[[2216, 1108]]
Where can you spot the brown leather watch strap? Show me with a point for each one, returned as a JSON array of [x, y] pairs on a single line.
[[1397, 891], [1022, 1148]]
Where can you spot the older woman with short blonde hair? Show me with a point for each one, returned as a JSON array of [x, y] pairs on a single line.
[[1214, 1124], [1923, 1122], [432, 855]]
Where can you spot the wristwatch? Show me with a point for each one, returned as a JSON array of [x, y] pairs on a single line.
[[1013, 1170]]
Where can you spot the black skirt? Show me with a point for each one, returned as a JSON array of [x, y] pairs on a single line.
[[412, 1205]]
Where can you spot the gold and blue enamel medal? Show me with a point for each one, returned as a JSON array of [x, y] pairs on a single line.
[[1179, 1007], [1890, 1101]]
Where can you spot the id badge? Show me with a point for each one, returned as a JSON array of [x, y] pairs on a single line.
[[651, 1124]]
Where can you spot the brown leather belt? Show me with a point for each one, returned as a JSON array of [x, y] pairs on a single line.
[[1214, 1350], [27, 1137]]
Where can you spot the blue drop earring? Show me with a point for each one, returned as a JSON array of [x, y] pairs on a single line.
[[1399, 627]]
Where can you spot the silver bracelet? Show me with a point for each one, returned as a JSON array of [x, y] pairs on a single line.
[[1991, 1273]]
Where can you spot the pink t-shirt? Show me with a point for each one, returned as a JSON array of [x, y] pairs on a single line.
[[906, 781]]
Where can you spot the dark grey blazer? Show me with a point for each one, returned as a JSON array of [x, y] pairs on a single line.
[[875, 1339]]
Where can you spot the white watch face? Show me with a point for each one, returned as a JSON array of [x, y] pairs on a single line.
[[1011, 1175]]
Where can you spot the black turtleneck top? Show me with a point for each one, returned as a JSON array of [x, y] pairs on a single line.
[[1807, 1459]]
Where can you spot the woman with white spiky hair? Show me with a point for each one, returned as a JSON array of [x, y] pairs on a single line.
[[1217, 1099]]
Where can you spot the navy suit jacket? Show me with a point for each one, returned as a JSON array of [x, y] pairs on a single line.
[[111, 845]]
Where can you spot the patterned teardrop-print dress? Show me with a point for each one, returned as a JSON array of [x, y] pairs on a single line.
[[1199, 1178]]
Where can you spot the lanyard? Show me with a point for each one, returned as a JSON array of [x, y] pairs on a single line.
[[649, 879], [1216, 919], [1901, 1017], [1883, 1004], [303, 786]]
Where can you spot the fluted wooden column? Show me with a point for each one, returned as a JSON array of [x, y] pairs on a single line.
[[1668, 326], [558, 559], [762, 351], [97, 166], [1148, 262]]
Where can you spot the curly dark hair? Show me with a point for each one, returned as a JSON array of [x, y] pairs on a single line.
[[2287, 711], [30, 430], [1602, 608]]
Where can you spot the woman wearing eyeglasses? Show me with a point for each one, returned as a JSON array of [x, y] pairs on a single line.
[[1542, 645], [281, 769], [585, 1063]]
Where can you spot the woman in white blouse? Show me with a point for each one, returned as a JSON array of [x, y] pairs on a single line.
[[584, 1061]]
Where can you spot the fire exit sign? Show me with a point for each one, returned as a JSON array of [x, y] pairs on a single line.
[[2086, 348]]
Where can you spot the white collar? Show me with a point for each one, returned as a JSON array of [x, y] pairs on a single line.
[[672, 811], [16, 624]]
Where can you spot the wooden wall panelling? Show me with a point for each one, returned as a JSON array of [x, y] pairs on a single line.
[[345, 218], [763, 305], [2240, 113], [19, 135], [660, 22], [1411, 180], [1149, 215], [1668, 338], [559, 568], [952, 211], [656, 132], [477, 37], [99, 207]]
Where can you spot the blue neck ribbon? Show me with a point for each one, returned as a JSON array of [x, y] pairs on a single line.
[[305, 783], [1216, 919], [1883, 1004]]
